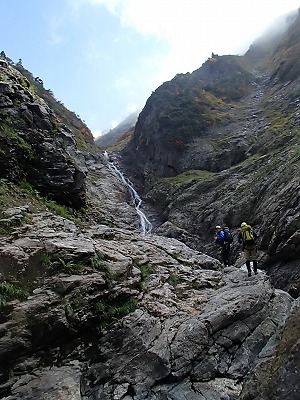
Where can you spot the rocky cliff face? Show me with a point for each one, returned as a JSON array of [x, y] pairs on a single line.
[[181, 112], [92, 309], [241, 159], [35, 146]]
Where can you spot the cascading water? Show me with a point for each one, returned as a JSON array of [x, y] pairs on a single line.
[[146, 226]]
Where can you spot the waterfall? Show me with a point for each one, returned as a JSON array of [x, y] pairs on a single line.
[[146, 226]]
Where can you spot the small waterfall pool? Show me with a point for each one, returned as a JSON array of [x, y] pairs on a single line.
[[145, 224]]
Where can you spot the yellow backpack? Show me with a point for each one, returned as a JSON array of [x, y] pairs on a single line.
[[248, 237]]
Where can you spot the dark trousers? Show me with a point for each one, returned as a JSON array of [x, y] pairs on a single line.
[[226, 253], [249, 267]]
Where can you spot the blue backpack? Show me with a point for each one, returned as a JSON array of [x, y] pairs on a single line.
[[227, 235]]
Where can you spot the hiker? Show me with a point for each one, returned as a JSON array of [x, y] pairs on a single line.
[[224, 238], [247, 237]]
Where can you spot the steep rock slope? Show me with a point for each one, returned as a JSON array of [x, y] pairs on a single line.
[[192, 329], [92, 309], [35, 146], [230, 155], [182, 110]]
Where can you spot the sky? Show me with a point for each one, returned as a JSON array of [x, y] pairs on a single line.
[[103, 58]]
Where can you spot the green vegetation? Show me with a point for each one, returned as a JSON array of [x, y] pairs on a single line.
[[47, 259], [9, 291], [70, 267], [55, 127], [176, 255], [24, 193], [7, 129], [24, 82], [74, 305], [16, 102], [52, 205], [59, 209], [27, 187], [226, 77], [111, 311], [173, 279], [12, 195], [191, 103], [32, 89], [69, 311], [98, 261], [146, 270], [191, 175]]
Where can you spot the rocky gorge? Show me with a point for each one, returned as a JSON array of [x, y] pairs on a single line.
[[90, 308]]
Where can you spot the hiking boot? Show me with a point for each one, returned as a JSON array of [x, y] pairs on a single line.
[[249, 273], [255, 272]]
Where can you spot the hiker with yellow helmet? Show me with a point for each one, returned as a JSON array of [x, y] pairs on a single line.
[[247, 237]]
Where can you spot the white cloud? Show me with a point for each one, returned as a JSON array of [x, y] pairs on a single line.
[[114, 123], [186, 33], [97, 134], [131, 108], [196, 28], [172, 18]]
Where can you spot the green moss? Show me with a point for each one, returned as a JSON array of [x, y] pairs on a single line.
[[24, 185], [7, 129], [59, 209], [146, 270], [70, 267], [98, 261], [191, 175], [110, 311], [173, 279], [9, 291], [23, 82], [176, 255], [11, 195]]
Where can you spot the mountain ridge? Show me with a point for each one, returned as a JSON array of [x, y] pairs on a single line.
[[239, 138], [114, 135], [92, 309]]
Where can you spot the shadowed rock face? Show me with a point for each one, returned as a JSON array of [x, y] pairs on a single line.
[[181, 111], [33, 145]]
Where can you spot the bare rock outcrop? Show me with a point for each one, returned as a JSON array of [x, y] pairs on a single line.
[[33, 143], [191, 330]]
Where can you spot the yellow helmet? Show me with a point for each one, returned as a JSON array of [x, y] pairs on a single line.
[[218, 227], [243, 224]]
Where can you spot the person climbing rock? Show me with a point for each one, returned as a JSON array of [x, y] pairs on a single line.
[[248, 238], [223, 239]]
